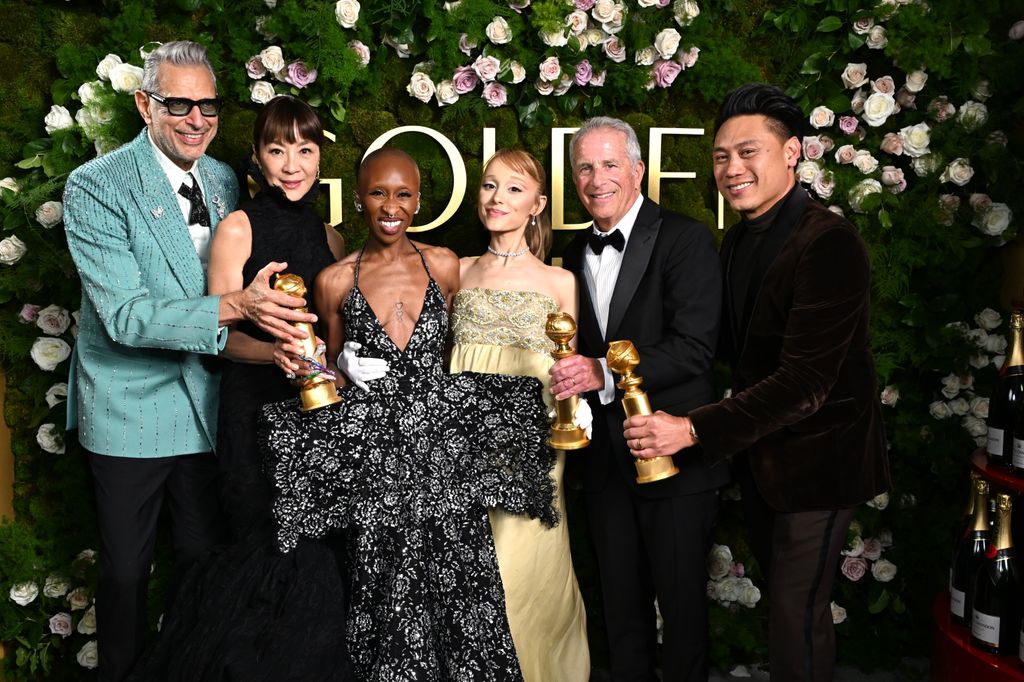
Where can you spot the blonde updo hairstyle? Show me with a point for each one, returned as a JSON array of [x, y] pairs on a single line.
[[539, 236]]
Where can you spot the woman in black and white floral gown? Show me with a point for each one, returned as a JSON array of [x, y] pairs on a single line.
[[411, 466]]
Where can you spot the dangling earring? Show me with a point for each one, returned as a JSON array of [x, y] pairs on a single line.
[[533, 221], [417, 209], [355, 200]]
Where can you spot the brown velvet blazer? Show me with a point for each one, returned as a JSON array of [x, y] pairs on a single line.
[[805, 403]]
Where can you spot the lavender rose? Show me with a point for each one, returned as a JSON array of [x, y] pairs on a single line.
[[584, 72], [848, 124], [854, 568], [300, 75], [465, 79], [665, 72], [60, 624]]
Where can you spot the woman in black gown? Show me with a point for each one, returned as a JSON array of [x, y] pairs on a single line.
[[410, 466], [245, 611]]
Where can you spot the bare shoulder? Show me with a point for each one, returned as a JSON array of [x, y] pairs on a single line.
[[466, 265], [338, 277], [439, 258], [234, 227]]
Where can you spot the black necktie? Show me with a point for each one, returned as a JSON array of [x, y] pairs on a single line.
[[197, 213], [599, 241]]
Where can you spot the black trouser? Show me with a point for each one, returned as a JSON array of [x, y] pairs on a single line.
[[129, 494]]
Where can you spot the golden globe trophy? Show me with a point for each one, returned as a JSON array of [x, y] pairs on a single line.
[[318, 390], [622, 359], [564, 434]]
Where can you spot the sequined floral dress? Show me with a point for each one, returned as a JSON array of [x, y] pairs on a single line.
[[410, 469]]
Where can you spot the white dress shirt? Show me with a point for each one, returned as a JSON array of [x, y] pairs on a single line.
[[601, 272], [199, 234]]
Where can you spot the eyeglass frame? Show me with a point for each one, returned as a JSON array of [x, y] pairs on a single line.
[[167, 102]]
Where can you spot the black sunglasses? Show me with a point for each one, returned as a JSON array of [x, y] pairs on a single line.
[[180, 106]]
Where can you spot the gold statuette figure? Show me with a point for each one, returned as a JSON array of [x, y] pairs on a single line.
[[564, 434], [318, 389], [622, 359]]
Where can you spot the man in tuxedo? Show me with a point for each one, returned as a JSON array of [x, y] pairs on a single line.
[[804, 418], [648, 275], [139, 222]]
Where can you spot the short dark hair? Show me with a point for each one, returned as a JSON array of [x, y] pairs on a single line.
[[784, 116], [282, 118]]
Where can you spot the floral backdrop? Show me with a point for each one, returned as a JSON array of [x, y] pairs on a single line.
[[914, 132]]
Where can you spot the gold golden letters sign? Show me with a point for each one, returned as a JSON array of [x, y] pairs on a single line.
[[559, 140]]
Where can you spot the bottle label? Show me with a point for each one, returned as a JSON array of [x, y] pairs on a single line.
[[995, 442], [956, 602], [985, 628], [1018, 453]]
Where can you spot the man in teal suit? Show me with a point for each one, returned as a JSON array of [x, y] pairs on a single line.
[[139, 222]]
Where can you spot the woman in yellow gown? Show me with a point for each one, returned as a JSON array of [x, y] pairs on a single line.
[[498, 327]]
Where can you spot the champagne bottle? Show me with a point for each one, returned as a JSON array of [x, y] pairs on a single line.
[[1006, 401], [995, 626], [968, 555]]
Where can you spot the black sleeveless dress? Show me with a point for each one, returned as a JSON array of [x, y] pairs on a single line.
[[410, 469], [245, 611]]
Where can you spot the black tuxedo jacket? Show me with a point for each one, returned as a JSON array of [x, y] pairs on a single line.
[[667, 301], [805, 402]]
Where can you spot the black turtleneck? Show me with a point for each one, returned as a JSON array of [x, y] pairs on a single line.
[[757, 243]]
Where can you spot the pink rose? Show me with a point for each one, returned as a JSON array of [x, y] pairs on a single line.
[[885, 85], [737, 570], [550, 69], [29, 313], [854, 568], [584, 72], [941, 109], [254, 67], [892, 144], [465, 79], [847, 124], [585, 4], [665, 72], [300, 75], [494, 94], [813, 148], [689, 57], [857, 101], [872, 549], [487, 68], [60, 624], [846, 153], [597, 80]]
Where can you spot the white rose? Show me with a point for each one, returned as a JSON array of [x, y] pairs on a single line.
[[846, 154], [24, 594], [806, 171], [926, 165], [916, 139], [48, 352], [544, 87], [87, 625], [361, 50], [877, 108], [1017, 30], [883, 570], [854, 76], [498, 31], [487, 68], [855, 547], [876, 39], [446, 93], [879, 501], [89, 92], [576, 22], [518, 72], [959, 406], [974, 426], [11, 250], [126, 78], [979, 407], [550, 69], [50, 213], [666, 43], [646, 56], [106, 64], [996, 344], [56, 394], [50, 439], [615, 50], [822, 117], [972, 115], [88, 656], [53, 320], [55, 586], [861, 191], [347, 13], [615, 24], [595, 36], [959, 172], [994, 220], [603, 10], [10, 184], [916, 80], [273, 58], [719, 561], [564, 83], [982, 90], [553, 38], [729, 589], [262, 92], [647, 3], [421, 87], [864, 162], [749, 595], [950, 385], [890, 396], [58, 118], [78, 599], [685, 11], [824, 184], [838, 614]]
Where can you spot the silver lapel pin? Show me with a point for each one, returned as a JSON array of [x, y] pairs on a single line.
[[158, 212]]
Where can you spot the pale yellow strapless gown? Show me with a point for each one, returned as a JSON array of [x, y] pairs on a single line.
[[502, 332]]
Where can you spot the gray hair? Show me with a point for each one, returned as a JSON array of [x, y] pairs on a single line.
[[178, 53], [597, 122]]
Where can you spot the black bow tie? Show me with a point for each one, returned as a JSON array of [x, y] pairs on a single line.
[[599, 241], [197, 213]]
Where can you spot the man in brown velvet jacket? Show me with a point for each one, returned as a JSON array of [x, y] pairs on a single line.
[[804, 419]]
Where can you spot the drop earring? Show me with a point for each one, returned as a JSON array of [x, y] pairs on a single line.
[[417, 209], [358, 204], [533, 221]]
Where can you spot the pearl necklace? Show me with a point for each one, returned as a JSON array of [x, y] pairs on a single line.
[[507, 254]]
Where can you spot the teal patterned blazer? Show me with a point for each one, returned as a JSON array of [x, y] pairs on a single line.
[[137, 386]]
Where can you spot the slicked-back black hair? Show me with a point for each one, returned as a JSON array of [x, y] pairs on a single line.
[[781, 110]]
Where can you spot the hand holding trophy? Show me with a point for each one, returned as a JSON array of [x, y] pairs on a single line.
[[318, 389], [565, 434], [622, 359]]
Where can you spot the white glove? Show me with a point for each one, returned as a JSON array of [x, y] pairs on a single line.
[[584, 417], [360, 370]]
